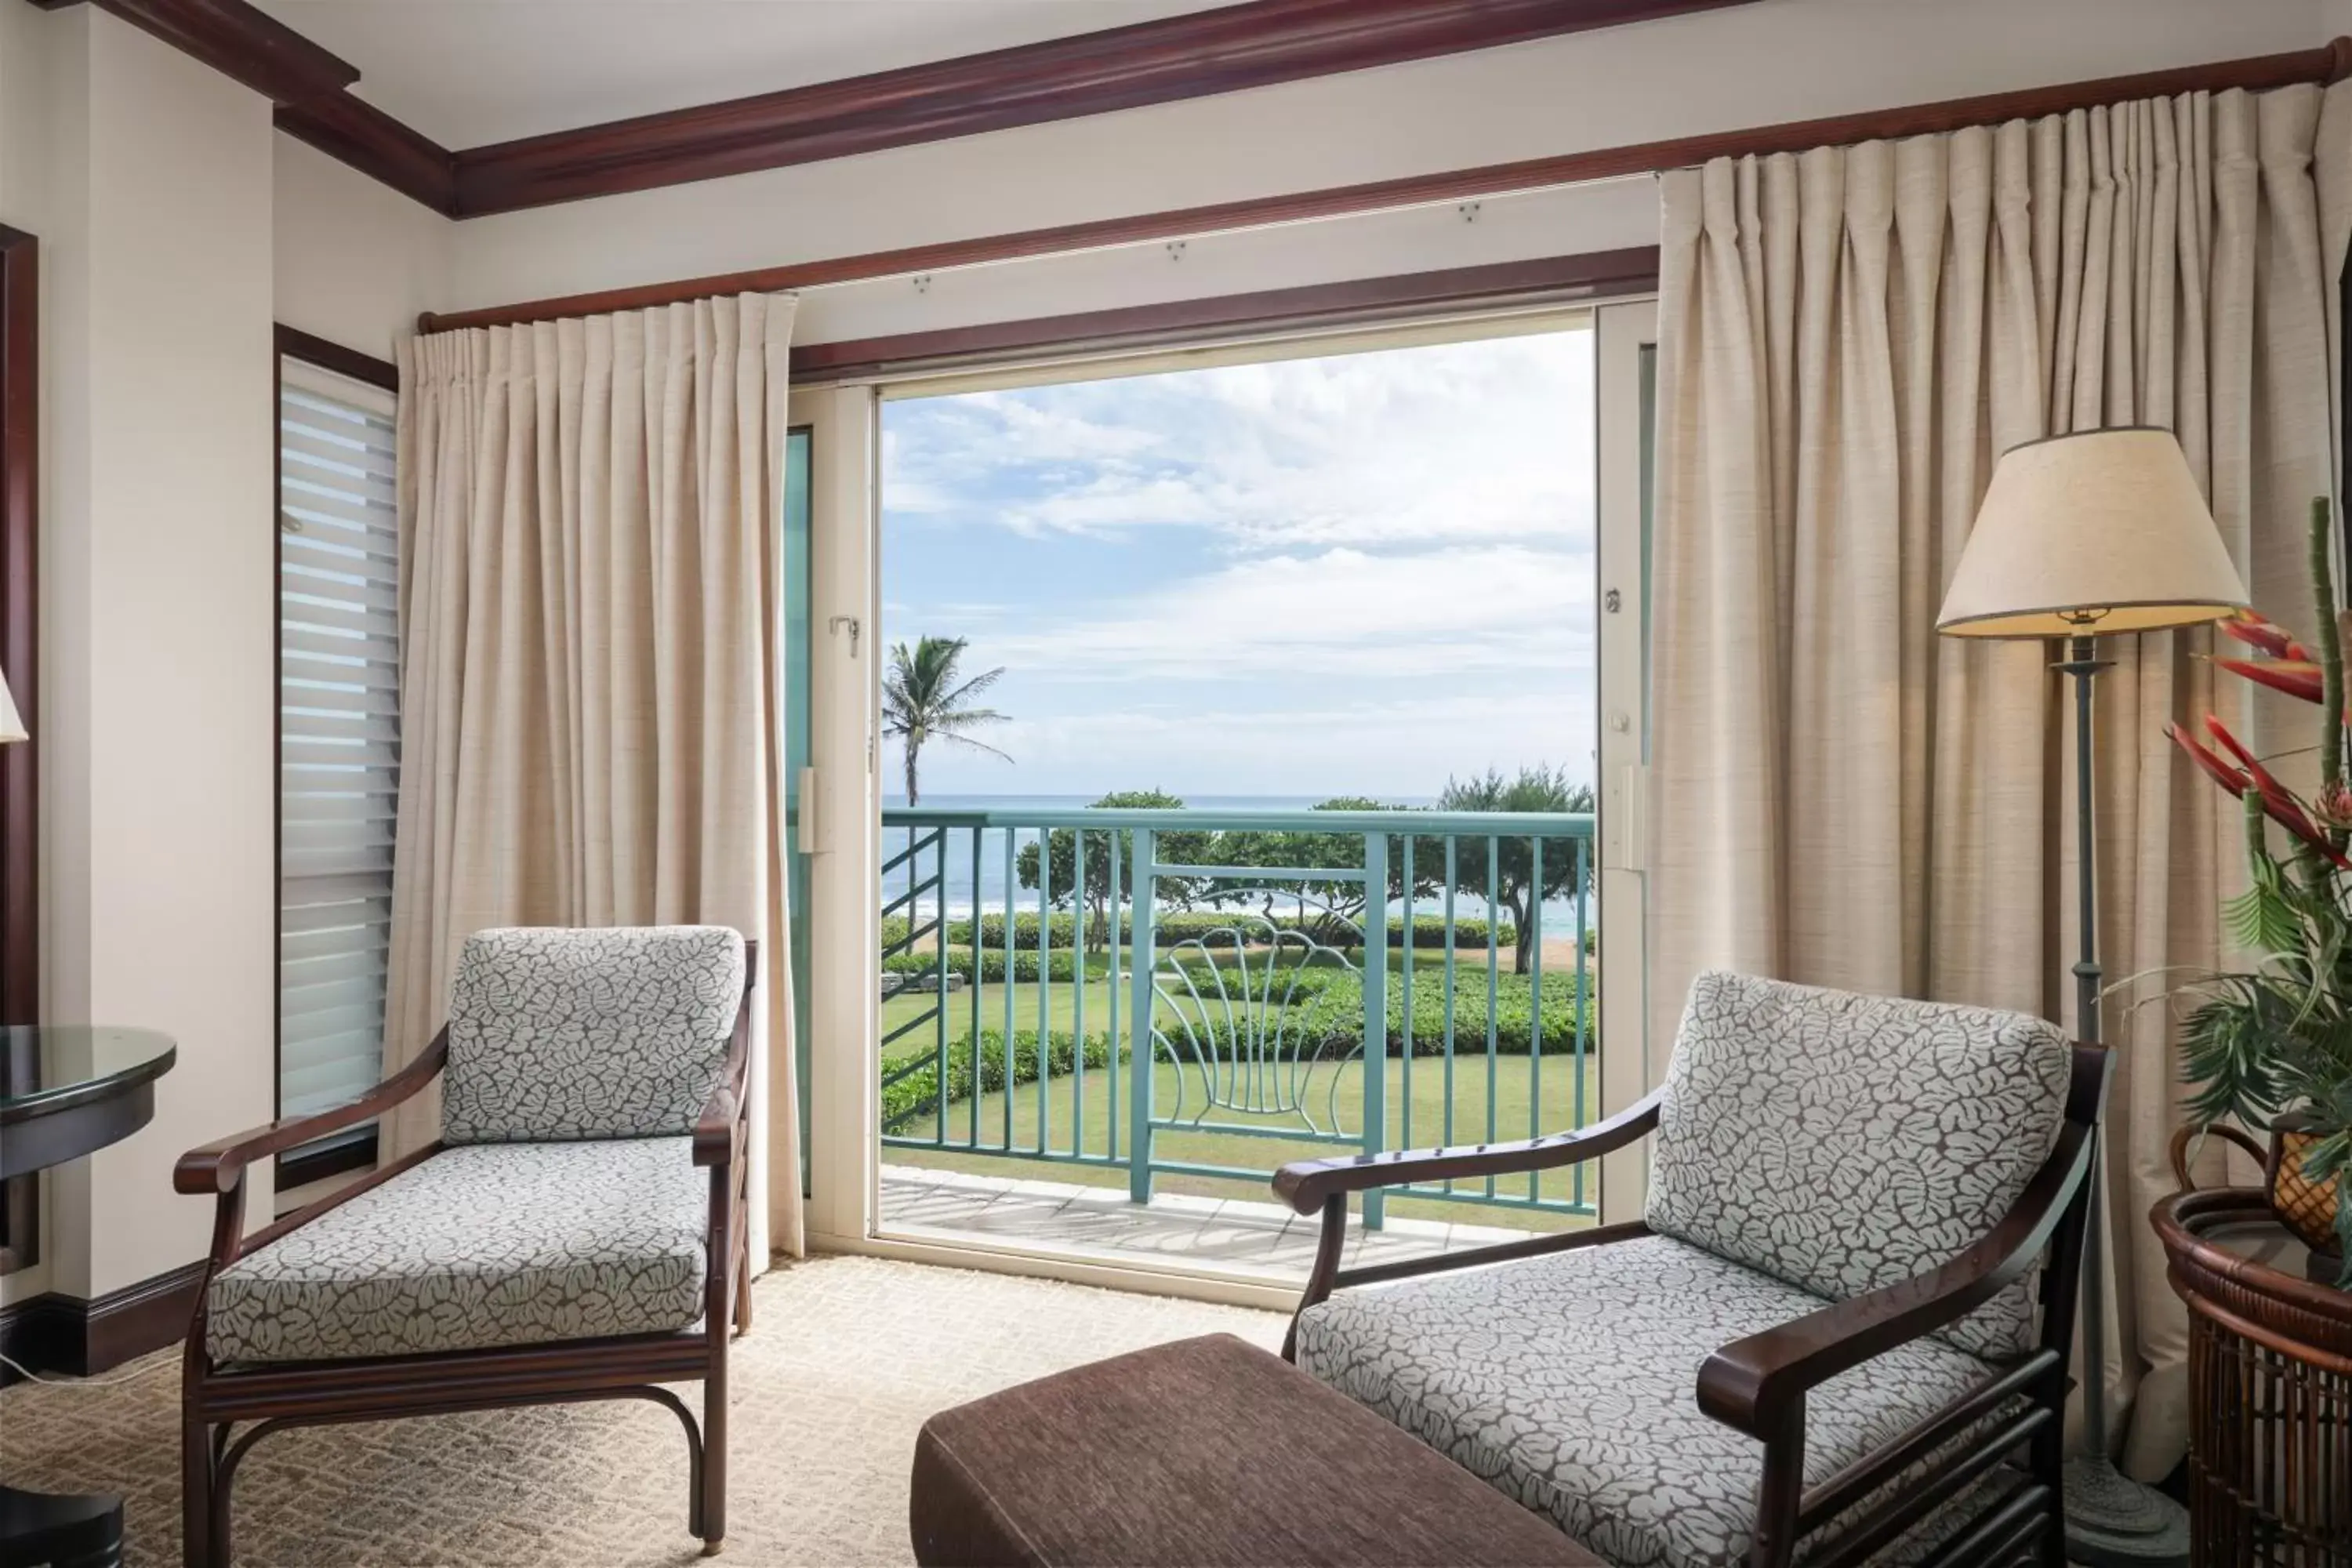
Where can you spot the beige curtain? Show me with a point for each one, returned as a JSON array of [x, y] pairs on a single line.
[[1847, 340], [591, 597]]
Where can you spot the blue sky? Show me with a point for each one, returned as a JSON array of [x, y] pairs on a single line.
[[1353, 574]]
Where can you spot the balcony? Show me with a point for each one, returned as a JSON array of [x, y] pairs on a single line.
[[1025, 953]]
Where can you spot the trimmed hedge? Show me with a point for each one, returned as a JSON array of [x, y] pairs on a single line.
[[1335, 1018], [1063, 966], [1326, 1021], [1209, 926], [917, 1092]]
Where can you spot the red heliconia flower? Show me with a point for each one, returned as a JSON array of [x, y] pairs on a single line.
[[2221, 772], [2332, 807], [2257, 630], [2278, 802], [2296, 677]]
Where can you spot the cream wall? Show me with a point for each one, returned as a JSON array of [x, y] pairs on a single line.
[[355, 259], [1783, 59], [148, 179], [32, 50]]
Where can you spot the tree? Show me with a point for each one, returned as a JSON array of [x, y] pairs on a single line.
[[1536, 789], [1186, 846], [921, 702], [1337, 907]]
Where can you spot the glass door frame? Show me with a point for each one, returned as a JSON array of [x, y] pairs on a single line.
[[839, 809], [1624, 356]]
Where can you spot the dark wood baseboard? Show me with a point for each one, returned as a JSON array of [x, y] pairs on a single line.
[[53, 1332]]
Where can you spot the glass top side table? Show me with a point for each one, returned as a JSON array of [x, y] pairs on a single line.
[[69, 1088], [65, 1090]]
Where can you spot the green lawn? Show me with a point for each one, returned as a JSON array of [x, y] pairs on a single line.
[[1061, 1006], [1061, 998], [1072, 1119]]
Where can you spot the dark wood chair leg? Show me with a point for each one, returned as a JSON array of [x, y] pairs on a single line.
[[2046, 1458], [222, 1548], [196, 1495], [743, 1299], [1782, 1490], [712, 1526]]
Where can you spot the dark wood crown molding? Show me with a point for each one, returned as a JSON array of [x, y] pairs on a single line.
[[309, 86], [1220, 50], [374, 142], [1549, 280], [243, 42], [2332, 62], [1204, 52]]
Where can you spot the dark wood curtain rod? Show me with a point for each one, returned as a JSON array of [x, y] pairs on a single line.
[[2329, 63]]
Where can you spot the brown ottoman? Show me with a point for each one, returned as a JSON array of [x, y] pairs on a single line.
[[1207, 1453]]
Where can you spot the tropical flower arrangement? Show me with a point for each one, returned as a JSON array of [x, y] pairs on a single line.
[[2271, 1047]]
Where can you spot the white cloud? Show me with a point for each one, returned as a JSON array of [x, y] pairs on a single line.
[[1469, 610], [1359, 573], [1487, 439]]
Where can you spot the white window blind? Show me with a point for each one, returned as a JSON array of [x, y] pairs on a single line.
[[339, 732]]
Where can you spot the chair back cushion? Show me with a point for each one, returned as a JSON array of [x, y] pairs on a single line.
[[1843, 1142], [614, 1033]]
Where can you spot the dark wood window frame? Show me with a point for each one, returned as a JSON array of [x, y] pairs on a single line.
[[20, 909], [298, 1167]]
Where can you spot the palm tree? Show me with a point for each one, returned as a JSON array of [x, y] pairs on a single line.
[[922, 702]]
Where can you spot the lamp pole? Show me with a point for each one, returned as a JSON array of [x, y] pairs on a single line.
[[2091, 534], [2112, 1520]]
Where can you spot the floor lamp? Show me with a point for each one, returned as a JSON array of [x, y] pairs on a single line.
[[2080, 537]]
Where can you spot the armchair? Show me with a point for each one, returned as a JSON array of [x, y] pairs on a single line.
[[1829, 1340], [577, 1233]]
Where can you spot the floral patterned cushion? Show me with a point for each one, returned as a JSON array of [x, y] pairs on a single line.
[[614, 1033], [1570, 1383], [499, 1244], [1844, 1142]]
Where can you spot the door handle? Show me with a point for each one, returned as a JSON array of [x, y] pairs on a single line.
[[811, 834]]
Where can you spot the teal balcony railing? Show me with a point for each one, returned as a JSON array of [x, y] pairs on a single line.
[[1197, 996]]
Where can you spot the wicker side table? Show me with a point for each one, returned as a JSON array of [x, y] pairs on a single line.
[[2270, 1387]]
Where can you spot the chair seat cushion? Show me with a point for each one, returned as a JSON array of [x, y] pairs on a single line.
[[494, 1244], [1569, 1382]]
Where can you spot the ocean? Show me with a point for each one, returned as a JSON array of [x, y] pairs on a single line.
[[1559, 915]]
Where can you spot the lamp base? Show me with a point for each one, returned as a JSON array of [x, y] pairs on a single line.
[[2113, 1522]]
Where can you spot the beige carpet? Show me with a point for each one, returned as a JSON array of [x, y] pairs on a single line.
[[848, 1356]]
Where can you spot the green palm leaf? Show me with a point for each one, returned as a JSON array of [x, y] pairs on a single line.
[[924, 699]]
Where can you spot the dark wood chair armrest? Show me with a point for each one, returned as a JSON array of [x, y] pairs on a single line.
[[1304, 1184], [219, 1166], [1753, 1384], [719, 1131]]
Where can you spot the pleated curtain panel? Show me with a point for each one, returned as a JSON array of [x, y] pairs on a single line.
[[1848, 339], [591, 603]]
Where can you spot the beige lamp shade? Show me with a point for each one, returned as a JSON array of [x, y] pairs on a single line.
[[2088, 535], [11, 728]]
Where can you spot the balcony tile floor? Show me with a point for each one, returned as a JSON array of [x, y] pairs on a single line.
[[1226, 1234]]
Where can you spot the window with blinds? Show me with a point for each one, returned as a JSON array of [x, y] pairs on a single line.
[[339, 732]]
